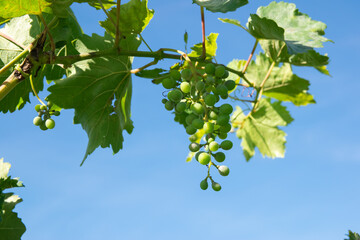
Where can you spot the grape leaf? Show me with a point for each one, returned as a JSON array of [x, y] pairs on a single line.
[[153, 73], [260, 129], [353, 236], [134, 17], [99, 90], [221, 5], [282, 84], [210, 46], [5, 180], [11, 226]]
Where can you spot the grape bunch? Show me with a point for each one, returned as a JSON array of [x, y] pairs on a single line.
[[194, 93], [44, 120]]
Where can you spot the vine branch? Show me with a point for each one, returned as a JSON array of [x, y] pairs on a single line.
[[118, 34], [250, 56], [203, 55], [10, 39]]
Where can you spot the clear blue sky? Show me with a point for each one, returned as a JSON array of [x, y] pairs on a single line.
[[147, 191]]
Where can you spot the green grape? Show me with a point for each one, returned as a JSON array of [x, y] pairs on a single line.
[[222, 119], [197, 108], [222, 135], [224, 170], [56, 113], [198, 123], [194, 147], [230, 84], [226, 74], [190, 130], [221, 90], [164, 100], [37, 121], [210, 100], [210, 140], [169, 105], [49, 104], [204, 184], [204, 158], [220, 71], [219, 156], [43, 126], [208, 136], [175, 74], [226, 109], [216, 186], [197, 155], [200, 86], [210, 68], [168, 83], [224, 96], [43, 107], [210, 80], [180, 107], [37, 107], [193, 138], [226, 145], [226, 128], [175, 95], [177, 118], [213, 146], [49, 123], [208, 127], [185, 87], [190, 118], [186, 74], [213, 115]]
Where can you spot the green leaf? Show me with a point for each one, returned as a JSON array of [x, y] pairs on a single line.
[[153, 73], [16, 8], [99, 90], [11, 226], [210, 46], [5, 180], [263, 28], [260, 129], [282, 84], [353, 236], [221, 5], [134, 17]]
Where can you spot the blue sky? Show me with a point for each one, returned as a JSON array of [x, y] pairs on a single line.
[[147, 191]]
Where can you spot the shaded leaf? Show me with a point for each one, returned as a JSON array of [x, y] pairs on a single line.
[[260, 129], [100, 92], [221, 5], [210, 46], [5, 180], [263, 28], [353, 236], [134, 17], [153, 73]]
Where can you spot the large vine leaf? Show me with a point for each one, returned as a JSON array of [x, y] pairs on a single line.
[[99, 90], [134, 17], [282, 84], [260, 129], [210, 46], [5, 180], [221, 5], [64, 30]]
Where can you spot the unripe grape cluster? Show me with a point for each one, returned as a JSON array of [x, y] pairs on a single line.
[[43, 119], [194, 95]]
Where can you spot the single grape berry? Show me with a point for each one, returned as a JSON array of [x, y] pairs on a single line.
[[197, 155], [210, 100], [185, 87], [164, 100], [224, 170], [43, 107], [230, 84], [49, 123], [226, 128], [213, 146], [190, 130], [43, 126], [168, 83], [193, 138], [204, 158], [220, 71], [49, 104], [209, 140], [219, 156], [190, 118], [186, 74], [222, 120], [216, 186], [226, 145], [198, 123], [56, 113], [200, 86], [208, 127], [221, 90], [222, 135], [180, 107], [204, 184], [210, 68], [226, 109], [169, 105], [194, 147], [37, 121], [175, 95], [213, 115], [197, 108], [175, 74], [37, 107], [210, 80]]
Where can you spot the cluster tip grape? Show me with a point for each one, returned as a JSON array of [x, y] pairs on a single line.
[[43, 119], [193, 97]]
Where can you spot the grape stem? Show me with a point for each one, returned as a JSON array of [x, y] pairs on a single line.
[[34, 91], [250, 56], [203, 55], [106, 13], [118, 33]]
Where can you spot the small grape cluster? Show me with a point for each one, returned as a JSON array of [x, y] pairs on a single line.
[[193, 96], [44, 120]]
